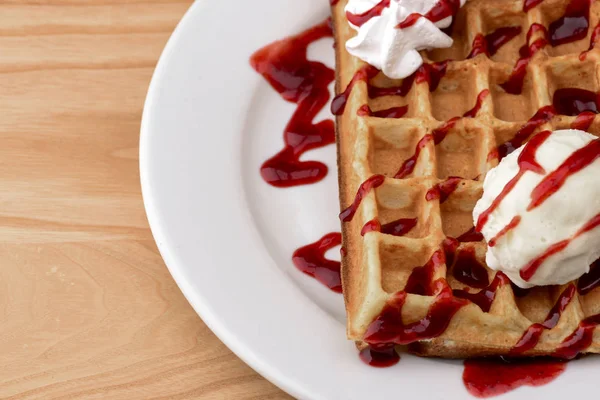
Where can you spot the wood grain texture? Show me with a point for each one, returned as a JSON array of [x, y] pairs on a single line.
[[87, 308]]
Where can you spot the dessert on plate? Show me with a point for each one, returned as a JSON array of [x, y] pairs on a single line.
[[468, 161]]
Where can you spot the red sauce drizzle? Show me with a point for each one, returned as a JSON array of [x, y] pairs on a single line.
[[443, 189], [511, 225], [573, 101], [479, 46], [285, 66], [470, 236], [361, 19], [388, 327], [583, 121], [485, 378], [409, 165], [514, 84], [338, 105], [373, 182], [579, 340], [531, 268], [527, 163], [472, 113], [532, 335], [381, 356], [469, 271], [593, 42], [492, 42], [394, 112], [420, 280], [485, 297], [430, 73], [591, 280], [443, 9], [529, 4], [577, 161], [450, 246], [371, 226], [399, 227], [437, 136], [409, 21], [333, 2], [573, 25], [311, 260], [542, 116]]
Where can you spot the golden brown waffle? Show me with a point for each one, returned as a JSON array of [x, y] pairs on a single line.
[[377, 266]]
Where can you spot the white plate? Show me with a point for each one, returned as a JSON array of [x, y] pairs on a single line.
[[227, 237]]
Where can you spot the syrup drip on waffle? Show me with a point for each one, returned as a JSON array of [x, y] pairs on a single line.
[[485, 297], [532, 335], [469, 271], [437, 136], [430, 73], [514, 84], [389, 328], [574, 101], [311, 260], [529, 4], [589, 281], [583, 121], [394, 112], [420, 280], [443, 190], [373, 182], [542, 116], [285, 66], [400, 227], [492, 42], [573, 25], [593, 42], [579, 340]]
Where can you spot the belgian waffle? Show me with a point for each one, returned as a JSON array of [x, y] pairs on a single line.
[[412, 157]]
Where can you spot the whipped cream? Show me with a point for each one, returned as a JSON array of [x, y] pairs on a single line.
[[395, 51], [559, 218]]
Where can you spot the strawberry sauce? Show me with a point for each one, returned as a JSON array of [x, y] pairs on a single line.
[[469, 271], [532, 335], [373, 182], [285, 66], [589, 281], [311, 260], [485, 297], [485, 378], [573, 25], [389, 328], [400, 227]]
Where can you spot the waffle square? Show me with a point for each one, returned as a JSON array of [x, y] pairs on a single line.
[[412, 156]]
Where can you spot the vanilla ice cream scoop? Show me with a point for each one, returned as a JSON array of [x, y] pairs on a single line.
[[391, 32], [540, 209]]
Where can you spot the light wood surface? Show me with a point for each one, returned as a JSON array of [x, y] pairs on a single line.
[[87, 308]]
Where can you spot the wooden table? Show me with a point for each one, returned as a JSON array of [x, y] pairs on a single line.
[[88, 309]]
